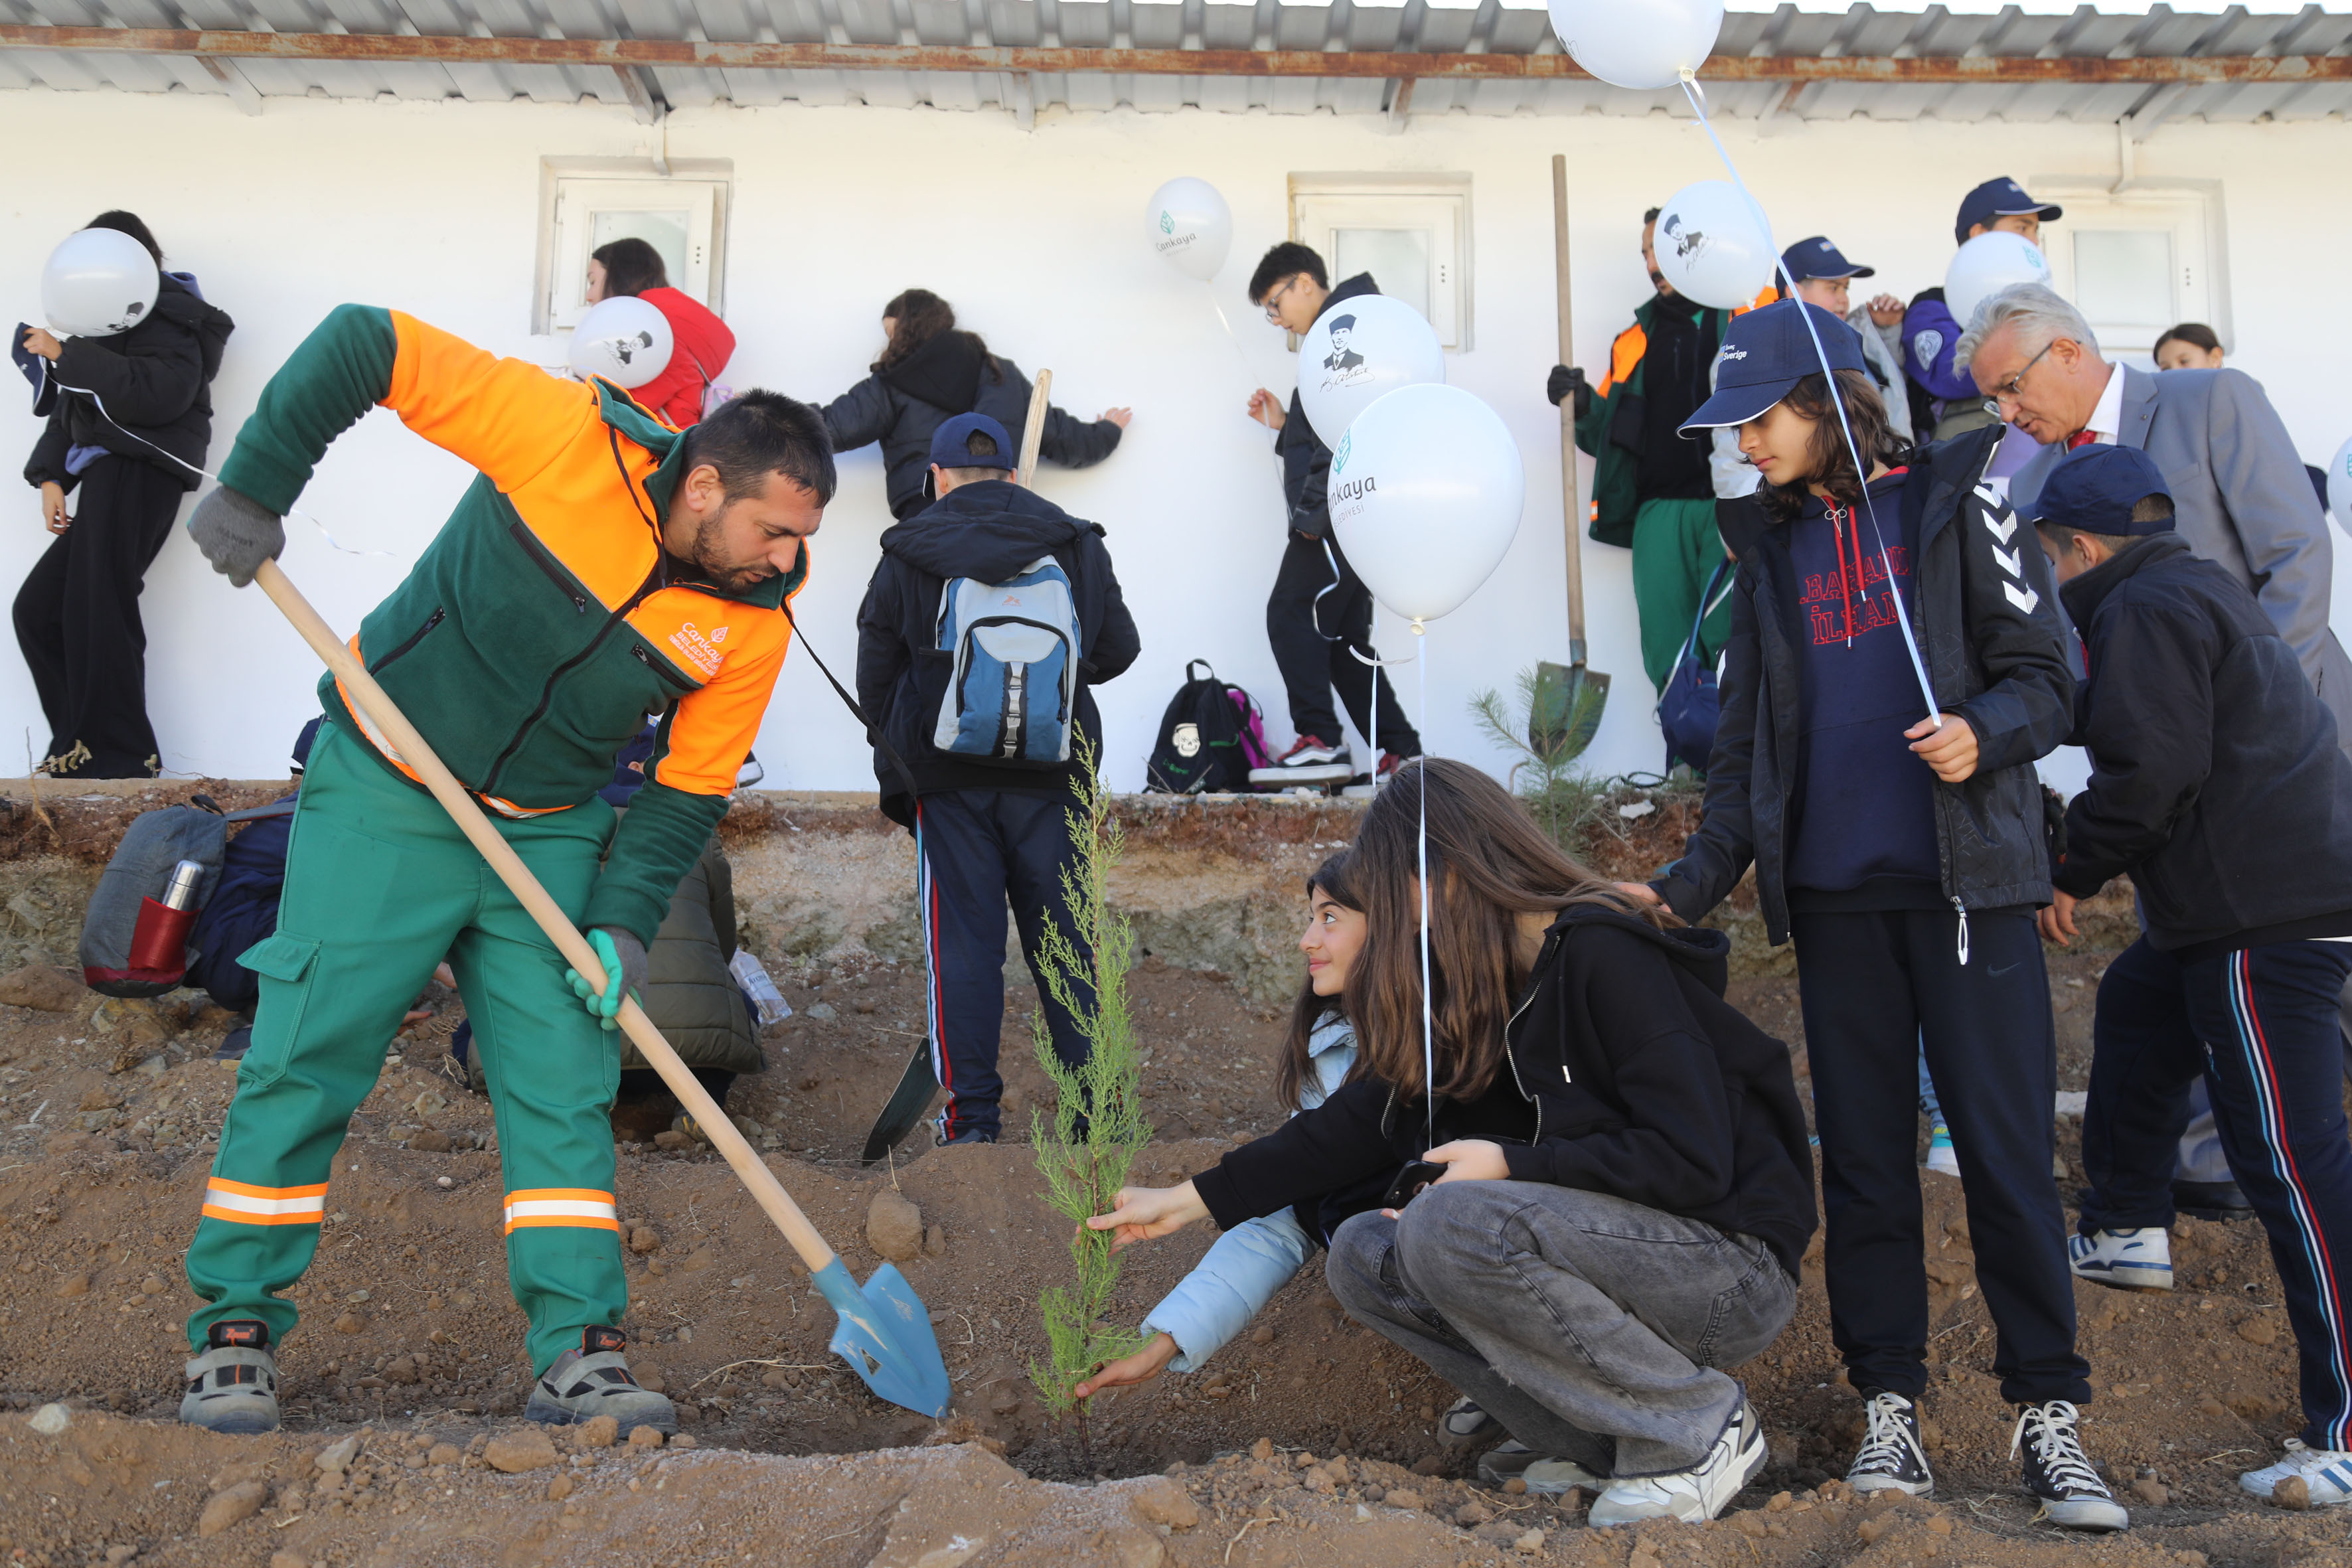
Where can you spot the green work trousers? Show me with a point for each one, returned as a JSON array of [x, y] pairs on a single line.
[[1676, 548], [381, 887]]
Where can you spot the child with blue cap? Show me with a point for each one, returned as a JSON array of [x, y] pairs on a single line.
[[2217, 786], [1905, 854]]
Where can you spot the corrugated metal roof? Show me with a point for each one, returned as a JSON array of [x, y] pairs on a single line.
[[1363, 25]]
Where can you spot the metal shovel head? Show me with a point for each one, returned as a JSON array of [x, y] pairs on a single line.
[[1564, 711], [884, 1334], [904, 1111]]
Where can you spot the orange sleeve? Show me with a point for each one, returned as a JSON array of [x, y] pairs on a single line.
[[506, 417], [715, 724]]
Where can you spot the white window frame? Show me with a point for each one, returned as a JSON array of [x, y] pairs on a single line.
[[2190, 212], [572, 190], [1321, 203]]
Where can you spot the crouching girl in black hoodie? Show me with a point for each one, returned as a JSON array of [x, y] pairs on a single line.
[[1627, 1188]]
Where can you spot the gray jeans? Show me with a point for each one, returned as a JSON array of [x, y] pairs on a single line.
[[1589, 1326]]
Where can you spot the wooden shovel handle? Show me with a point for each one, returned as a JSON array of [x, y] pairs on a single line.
[[1570, 481], [361, 687], [1033, 430]]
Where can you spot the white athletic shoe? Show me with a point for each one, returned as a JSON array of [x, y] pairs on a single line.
[[1693, 1496], [1942, 1158], [2127, 1259], [1545, 1474], [2327, 1471], [1466, 1423]]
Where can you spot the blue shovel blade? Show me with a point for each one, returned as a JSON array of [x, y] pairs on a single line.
[[885, 1336]]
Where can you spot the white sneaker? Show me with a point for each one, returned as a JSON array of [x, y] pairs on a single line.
[[1942, 1158], [1547, 1474], [1466, 1423], [1692, 1496], [2327, 1471], [2127, 1259]]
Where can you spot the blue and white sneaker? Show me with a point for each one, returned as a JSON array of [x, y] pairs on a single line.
[[2328, 1473], [1941, 1157], [2137, 1260]]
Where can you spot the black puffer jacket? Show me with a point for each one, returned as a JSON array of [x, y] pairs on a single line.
[[1306, 460], [1986, 614], [904, 405], [1628, 1075], [156, 379], [690, 992]]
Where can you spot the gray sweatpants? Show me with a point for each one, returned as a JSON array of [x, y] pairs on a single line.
[[1590, 1327]]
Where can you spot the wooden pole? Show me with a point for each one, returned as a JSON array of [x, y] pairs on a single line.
[[1033, 431], [1570, 481]]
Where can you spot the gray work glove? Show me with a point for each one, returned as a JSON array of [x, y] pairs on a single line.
[[236, 534], [624, 958]]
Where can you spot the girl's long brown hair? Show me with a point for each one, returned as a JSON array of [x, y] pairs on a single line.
[[1827, 463], [1488, 864], [921, 316], [1332, 880]]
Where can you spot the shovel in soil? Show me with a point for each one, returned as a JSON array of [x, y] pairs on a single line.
[[884, 1332], [1564, 710]]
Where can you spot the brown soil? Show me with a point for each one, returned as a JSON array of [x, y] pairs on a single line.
[[411, 1340]]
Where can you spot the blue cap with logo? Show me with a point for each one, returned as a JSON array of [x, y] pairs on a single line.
[[1817, 257], [950, 448], [1999, 198], [2095, 489], [1765, 354]]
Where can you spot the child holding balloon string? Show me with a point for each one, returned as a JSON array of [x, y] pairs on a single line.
[[1619, 1190], [1906, 856]]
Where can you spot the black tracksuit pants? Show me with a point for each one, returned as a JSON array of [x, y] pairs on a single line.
[[78, 619], [975, 848], [1312, 621], [2260, 1027], [1876, 989]]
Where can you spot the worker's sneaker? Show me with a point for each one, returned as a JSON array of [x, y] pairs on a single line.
[[1693, 1496], [1466, 1423], [1942, 1158], [232, 1386], [2127, 1259], [1310, 760], [595, 1381], [2327, 1474], [1548, 1475], [2059, 1473], [1891, 1458]]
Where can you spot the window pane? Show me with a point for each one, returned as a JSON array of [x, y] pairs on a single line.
[[2124, 275], [1398, 259], [665, 231]]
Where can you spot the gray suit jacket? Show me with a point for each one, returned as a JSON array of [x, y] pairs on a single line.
[[2242, 498]]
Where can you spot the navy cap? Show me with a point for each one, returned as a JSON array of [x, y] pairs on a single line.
[[1765, 354], [2095, 489], [2003, 198], [948, 443], [1817, 257]]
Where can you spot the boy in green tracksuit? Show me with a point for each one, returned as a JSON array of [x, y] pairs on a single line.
[[600, 567]]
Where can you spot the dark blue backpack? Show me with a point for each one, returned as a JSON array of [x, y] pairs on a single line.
[[1689, 705]]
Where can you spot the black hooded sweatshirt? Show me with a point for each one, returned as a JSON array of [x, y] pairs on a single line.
[[988, 531], [905, 405], [156, 379], [1629, 1074]]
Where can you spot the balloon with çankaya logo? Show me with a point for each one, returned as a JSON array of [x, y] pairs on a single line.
[[1710, 247], [1359, 351], [1987, 265], [623, 340], [2339, 486], [1426, 492], [1192, 228], [97, 282], [1643, 45]]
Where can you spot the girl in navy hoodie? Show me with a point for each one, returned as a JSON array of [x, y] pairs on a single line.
[[1902, 846]]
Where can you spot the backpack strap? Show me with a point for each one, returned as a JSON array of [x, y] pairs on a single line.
[[1202, 663], [1707, 600], [256, 812], [873, 735]]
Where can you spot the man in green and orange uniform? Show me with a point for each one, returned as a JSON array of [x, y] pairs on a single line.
[[600, 567]]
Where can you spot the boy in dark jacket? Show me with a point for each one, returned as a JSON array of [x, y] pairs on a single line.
[[985, 828], [2217, 784]]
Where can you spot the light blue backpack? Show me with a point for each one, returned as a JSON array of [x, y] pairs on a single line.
[[1015, 678]]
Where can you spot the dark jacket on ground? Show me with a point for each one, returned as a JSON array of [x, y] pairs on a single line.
[[988, 531], [689, 993], [1628, 1075], [1986, 616], [904, 405], [156, 379], [1305, 459], [2215, 778]]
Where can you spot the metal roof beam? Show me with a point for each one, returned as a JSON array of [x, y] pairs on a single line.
[[452, 49]]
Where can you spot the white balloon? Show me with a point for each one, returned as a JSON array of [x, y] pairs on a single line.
[[2339, 486], [1192, 228], [1710, 247], [624, 339], [1987, 265], [99, 281], [1359, 350], [1426, 492], [1643, 44]]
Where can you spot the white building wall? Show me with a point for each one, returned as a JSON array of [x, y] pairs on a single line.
[[1038, 239]]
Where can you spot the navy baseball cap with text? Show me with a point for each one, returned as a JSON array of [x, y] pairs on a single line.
[[1817, 257], [1999, 198], [1765, 354], [2093, 489]]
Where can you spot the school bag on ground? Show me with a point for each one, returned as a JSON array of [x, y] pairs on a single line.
[[1013, 688], [1210, 738], [135, 937], [1689, 707]]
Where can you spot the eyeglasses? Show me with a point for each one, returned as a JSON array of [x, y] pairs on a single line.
[[2007, 391], [1273, 302]]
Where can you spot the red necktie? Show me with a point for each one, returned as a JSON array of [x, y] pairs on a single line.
[[2080, 438]]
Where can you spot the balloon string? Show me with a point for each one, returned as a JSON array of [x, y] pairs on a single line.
[[207, 473], [1837, 398], [1428, 1002], [1249, 370]]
